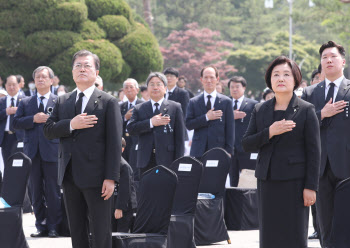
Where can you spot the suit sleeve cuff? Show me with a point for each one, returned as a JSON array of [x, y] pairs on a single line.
[[150, 123]]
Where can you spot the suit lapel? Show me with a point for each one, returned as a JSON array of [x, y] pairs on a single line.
[[164, 107], [33, 103], [50, 103], [320, 95], [268, 112], [70, 104], [202, 104], [217, 102], [149, 109], [124, 108], [292, 108], [93, 102], [343, 90], [244, 104]]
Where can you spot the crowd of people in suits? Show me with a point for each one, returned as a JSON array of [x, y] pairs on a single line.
[[92, 145]]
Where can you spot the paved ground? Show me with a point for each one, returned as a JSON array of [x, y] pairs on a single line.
[[240, 239]]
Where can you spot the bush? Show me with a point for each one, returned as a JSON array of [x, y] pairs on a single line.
[[115, 26], [141, 51], [98, 8], [10, 41], [11, 66], [38, 45], [91, 30], [110, 57]]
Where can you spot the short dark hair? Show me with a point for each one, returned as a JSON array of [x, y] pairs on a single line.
[[183, 78], [143, 88], [210, 66], [319, 68], [293, 66], [171, 70], [266, 92], [313, 74], [19, 77], [83, 53], [238, 79], [330, 44]]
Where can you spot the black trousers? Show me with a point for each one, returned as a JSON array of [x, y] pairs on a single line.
[[325, 205], [151, 164], [8, 146], [83, 204], [45, 194]]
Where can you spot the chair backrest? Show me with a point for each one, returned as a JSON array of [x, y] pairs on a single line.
[[17, 169], [216, 164], [156, 194], [189, 173], [340, 234]]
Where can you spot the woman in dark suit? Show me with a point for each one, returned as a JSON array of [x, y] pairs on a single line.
[[286, 133]]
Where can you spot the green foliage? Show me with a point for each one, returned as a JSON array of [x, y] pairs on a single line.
[[252, 61], [91, 30], [115, 26], [37, 32], [141, 51], [110, 57], [98, 8], [38, 45]]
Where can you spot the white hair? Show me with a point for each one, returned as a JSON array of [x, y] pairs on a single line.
[[136, 84]]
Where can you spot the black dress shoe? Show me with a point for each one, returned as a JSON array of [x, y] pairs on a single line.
[[39, 234], [53, 234], [314, 236]]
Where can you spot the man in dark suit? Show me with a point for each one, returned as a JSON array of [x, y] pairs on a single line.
[[31, 115], [242, 109], [21, 83], [173, 92], [131, 88], [89, 125], [210, 115], [55, 85], [9, 137], [181, 83], [159, 125], [331, 99]]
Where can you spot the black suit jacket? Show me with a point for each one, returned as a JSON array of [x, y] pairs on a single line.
[[3, 118], [94, 152], [181, 96], [216, 133], [169, 143], [130, 153], [126, 197], [335, 134], [291, 155]]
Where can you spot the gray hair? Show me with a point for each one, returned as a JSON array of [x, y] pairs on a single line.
[[84, 53], [159, 75], [40, 68], [136, 84]]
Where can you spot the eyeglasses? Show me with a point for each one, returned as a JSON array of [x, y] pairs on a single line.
[[41, 76], [155, 84], [80, 66]]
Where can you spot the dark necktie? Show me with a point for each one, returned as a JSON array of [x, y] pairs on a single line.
[[208, 103], [156, 111], [79, 103], [130, 106], [330, 92], [41, 105], [170, 94], [236, 105], [11, 116]]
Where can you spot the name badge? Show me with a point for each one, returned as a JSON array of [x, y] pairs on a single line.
[[253, 156], [20, 145], [212, 163], [17, 163], [185, 167]]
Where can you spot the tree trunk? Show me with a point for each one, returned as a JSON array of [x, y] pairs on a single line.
[[147, 13]]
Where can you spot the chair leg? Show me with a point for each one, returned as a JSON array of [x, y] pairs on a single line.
[[229, 241]]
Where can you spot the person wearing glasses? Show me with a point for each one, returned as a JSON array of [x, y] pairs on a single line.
[[159, 125]]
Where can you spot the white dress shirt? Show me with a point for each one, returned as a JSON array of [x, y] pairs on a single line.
[[167, 92], [8, 104], [154, 108], [38, 99], [239, 103], [212, 100]]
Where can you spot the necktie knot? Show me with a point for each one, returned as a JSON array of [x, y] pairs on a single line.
[[236, 105], [12, 102], [130, 106], [156, 111], [81, 95], [79, 103], [42, 98], [208, 103]]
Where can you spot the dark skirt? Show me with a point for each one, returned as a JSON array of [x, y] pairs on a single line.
[[283, 219]]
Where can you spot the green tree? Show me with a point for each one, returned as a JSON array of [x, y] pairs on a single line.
[[251, 62], [37, 32]]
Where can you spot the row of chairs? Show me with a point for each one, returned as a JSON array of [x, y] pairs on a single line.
[[169, 214]]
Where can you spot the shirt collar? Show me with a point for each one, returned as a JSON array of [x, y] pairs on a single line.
[[213, 94], [337, 82], [47, 95], [133, 102], [160, 102], [88, 92], [14, 97], [172, 90]]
